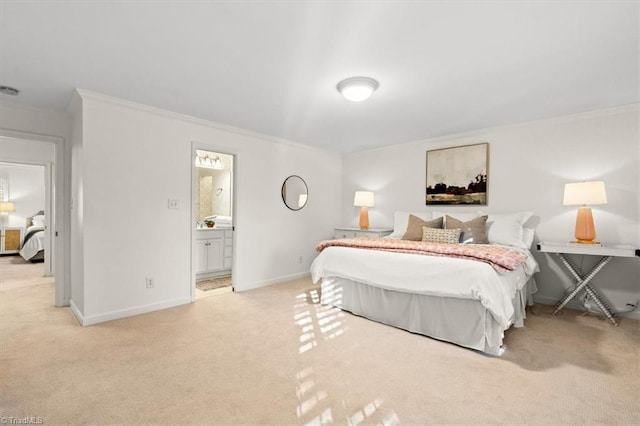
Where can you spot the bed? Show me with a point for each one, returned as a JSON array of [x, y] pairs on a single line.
[[462, 299], [34, 240]]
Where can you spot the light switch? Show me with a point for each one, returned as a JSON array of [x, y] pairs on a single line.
[[174, 203]]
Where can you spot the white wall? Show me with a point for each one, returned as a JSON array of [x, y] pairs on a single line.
[[76, 231], [529, 165], [134, 158], [26, 188]]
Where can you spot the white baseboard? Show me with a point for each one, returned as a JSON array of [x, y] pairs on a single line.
[[573, 304], [258, 284], [129, 312], [76, 312]]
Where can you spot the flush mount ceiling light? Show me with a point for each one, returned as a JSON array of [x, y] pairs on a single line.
[[357, 89], [11, 91]]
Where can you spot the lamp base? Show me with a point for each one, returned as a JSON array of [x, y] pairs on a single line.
[[364, 218], [585, 231]]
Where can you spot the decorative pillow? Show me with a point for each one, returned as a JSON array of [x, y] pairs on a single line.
[[414, 228], [507, 229], [474, 231], [401, 221], [463, 216], [445, 236]]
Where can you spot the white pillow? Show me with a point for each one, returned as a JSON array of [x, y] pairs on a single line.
[[37, 222], [527, 236], [507, 229], [401, 220]]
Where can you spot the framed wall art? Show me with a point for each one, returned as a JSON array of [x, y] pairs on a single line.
[[458, 175]]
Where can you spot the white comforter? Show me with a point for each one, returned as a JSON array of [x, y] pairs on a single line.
[[435, 276], [33, 244]]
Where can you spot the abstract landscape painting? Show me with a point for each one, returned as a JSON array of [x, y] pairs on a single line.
[[457, 175]]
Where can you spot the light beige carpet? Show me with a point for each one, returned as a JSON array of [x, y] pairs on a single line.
[[213, 283], [275, 356]]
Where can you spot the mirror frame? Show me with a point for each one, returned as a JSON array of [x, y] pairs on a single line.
[[283, 192]]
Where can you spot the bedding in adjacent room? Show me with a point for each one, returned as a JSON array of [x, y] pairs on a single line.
[[33, 244]]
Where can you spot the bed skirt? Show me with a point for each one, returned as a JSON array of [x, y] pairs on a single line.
[[464, 322], [38, 257]]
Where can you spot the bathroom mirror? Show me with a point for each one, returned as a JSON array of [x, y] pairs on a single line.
[[294, 192], [213, 187]]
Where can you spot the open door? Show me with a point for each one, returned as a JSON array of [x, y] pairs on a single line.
[[213, 228]]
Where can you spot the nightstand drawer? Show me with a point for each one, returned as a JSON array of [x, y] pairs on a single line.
[[360, 233], [10, 240], [343, 234]]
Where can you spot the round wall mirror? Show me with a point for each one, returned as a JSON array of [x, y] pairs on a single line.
[[294, 192]]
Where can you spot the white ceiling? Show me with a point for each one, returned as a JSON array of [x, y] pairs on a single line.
[[272, 67]]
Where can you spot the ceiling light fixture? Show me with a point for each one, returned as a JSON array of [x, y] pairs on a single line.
[[11, 91], [357, 89]]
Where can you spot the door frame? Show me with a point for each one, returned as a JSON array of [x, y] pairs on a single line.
[[205, 146], [54, 204]]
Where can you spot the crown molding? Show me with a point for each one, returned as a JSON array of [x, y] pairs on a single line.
[[482, 133], [87, 94]]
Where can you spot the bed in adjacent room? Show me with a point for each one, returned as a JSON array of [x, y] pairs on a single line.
[[33, 243], [466, 291]]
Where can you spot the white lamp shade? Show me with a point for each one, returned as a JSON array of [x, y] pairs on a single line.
[[7, 207], [584, 193], [363, 199]]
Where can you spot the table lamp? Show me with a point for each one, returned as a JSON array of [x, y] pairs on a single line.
[[6, 207], [363, 199], [585, 194]]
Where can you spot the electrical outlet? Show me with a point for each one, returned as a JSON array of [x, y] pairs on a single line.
[[150, 283], [300, 259], [173, 203]]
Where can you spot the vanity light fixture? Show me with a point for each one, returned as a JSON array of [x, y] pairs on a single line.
[[207, 162], [357, 89]]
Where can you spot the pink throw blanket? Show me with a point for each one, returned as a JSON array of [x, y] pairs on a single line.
[[501, 258]]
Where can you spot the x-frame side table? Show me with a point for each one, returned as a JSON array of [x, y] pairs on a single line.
[[583, 280]]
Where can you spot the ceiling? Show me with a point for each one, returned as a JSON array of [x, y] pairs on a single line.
[[272, 67]]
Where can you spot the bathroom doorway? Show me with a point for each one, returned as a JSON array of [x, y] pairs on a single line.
[[213, 189]]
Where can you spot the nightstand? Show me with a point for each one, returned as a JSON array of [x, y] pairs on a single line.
[[10, 239], [339, 233], [606, 253]]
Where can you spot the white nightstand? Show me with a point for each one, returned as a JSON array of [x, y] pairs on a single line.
[[607, 252], [357, 232], [10, 239]]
